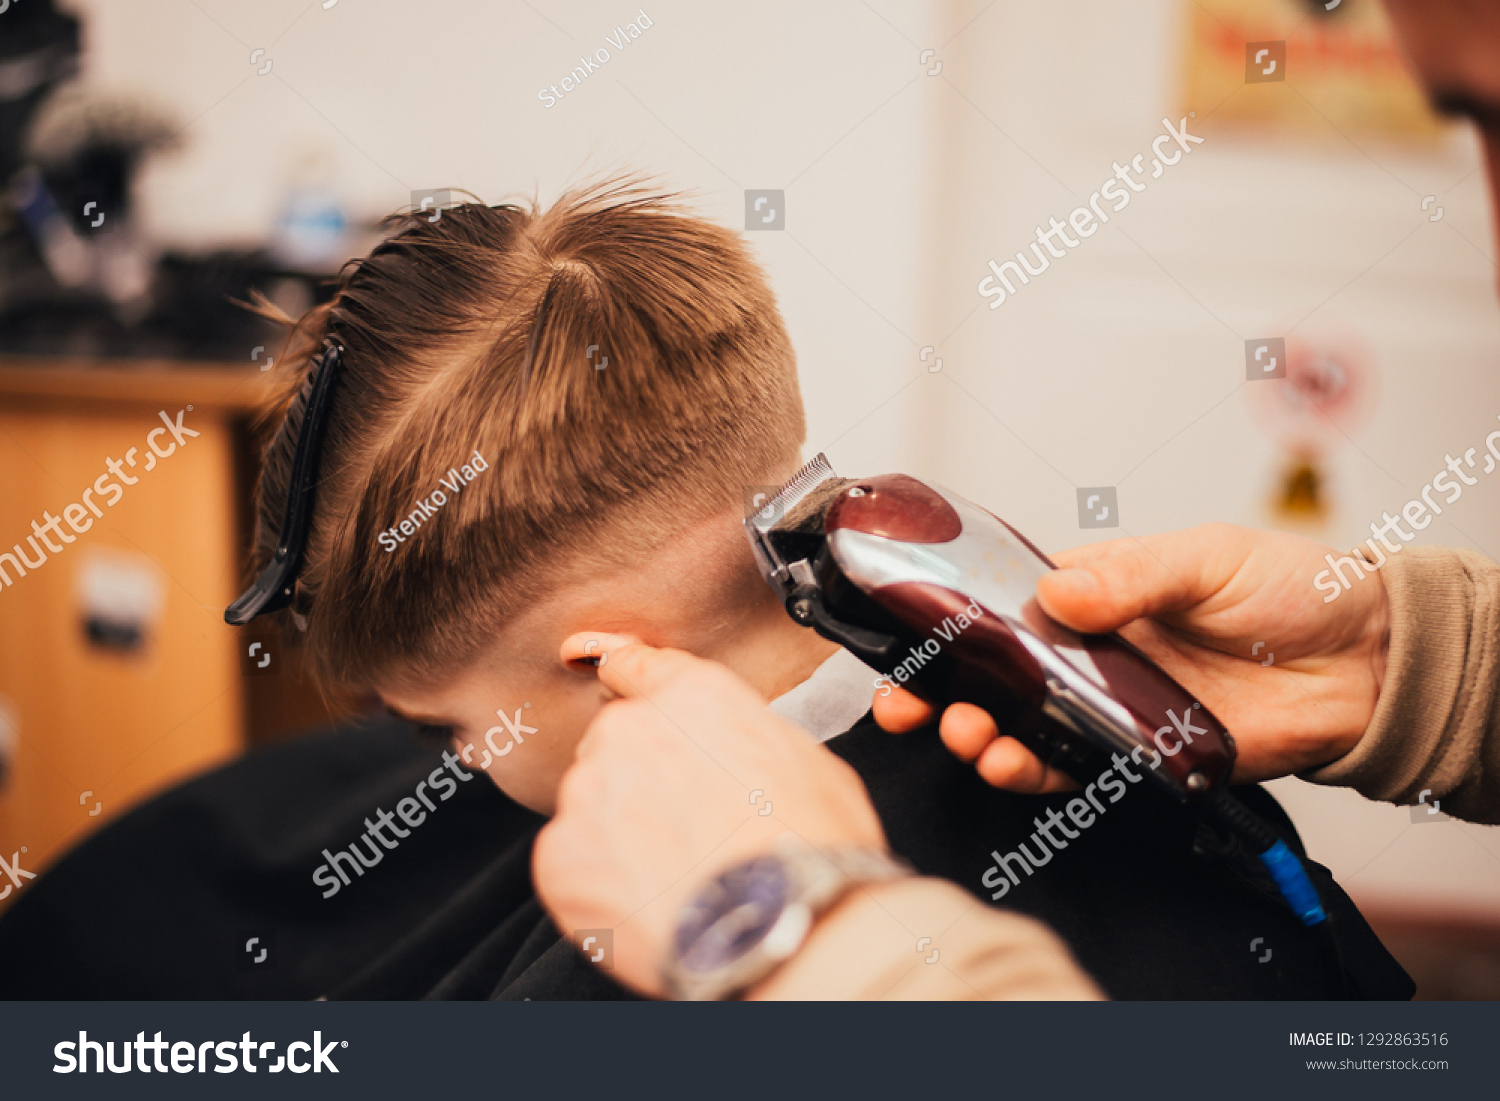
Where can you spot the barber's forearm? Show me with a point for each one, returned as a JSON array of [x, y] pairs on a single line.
[[1436, 725], [864, 949]]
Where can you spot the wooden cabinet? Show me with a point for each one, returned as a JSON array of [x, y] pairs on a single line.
[[118, 675]]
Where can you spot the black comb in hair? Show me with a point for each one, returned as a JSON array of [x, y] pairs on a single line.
[[272, 590]]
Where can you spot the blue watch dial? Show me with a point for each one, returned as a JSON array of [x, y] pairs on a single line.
[[731, 915]]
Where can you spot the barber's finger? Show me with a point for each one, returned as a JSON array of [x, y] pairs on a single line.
[[966, 730], [625, 665], [899, 711], [1104, 586], [587, 649], [636, 670], [1006, 763], [633, 670]]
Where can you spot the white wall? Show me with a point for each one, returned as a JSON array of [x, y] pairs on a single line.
[[1122, 365]]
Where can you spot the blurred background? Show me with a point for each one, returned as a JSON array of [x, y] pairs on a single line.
[[161, 159]]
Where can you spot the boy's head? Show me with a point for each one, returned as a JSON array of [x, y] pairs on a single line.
[[544, 423]]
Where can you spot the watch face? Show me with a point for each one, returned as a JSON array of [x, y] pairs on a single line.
[[731, 915]]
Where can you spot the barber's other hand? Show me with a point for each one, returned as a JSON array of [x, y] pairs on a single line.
[[684, 775], [1197, 602]]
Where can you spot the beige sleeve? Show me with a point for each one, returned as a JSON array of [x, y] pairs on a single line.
[[1435, 723], [926, 939]]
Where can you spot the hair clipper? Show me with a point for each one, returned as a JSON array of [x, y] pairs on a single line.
[[939, 595]]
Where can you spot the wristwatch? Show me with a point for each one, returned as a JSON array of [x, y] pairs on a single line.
[[747, 921]]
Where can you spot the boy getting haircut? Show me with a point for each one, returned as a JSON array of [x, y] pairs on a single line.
[[537, 411], [618, 366]]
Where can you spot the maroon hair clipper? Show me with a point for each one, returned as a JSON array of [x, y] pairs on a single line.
[[940, 596]]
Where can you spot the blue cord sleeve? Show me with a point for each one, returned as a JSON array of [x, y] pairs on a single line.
[[1291, 879]]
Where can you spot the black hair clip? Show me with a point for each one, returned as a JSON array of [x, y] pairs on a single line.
[[272, 590]]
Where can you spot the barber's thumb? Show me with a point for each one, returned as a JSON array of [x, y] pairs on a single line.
[[1088, 599]]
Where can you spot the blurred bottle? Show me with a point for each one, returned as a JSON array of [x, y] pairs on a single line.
[[312, 229]]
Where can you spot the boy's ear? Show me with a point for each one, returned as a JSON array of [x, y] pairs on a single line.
[[586, 650]]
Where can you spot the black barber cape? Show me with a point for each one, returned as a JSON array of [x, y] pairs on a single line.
[[208, 892]]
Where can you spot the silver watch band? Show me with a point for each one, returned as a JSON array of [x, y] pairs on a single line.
[[819, 878]]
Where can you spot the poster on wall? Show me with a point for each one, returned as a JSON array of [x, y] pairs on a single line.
[[1302, 66]]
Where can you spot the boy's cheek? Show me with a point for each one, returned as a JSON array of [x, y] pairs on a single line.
[[532, 782], [531, 773]]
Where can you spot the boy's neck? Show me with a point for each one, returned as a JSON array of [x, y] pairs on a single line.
[[725, 610], [771, 650]]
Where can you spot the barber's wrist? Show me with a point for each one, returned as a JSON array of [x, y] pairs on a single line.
[[842, 920], [1378, 631], [739, 928], [1373, 649], [1365, 654]]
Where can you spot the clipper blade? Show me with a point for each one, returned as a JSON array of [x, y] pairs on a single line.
[[788, 531], [813, 473]]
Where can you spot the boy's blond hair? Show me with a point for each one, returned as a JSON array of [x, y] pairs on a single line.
[[488, 331]]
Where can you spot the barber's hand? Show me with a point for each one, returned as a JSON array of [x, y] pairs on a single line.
[[1197, 602], [683, 776]]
